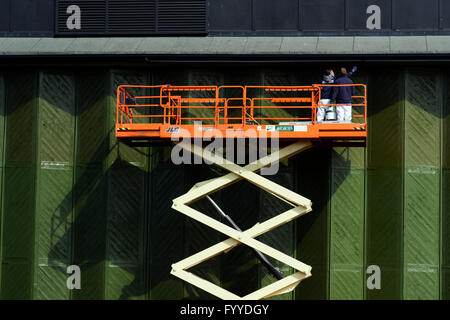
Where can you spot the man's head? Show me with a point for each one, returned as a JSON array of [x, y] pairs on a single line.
[[329, 72], [343, 71]]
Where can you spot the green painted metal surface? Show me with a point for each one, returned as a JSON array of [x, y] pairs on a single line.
[[445, 194], [384, 224], [347, 217], [421, 191], [71, 194], [312, 242]]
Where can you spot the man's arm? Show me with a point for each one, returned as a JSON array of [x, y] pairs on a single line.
[[353, 71]]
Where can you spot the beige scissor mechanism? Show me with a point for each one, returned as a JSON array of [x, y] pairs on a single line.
[[300, 206]]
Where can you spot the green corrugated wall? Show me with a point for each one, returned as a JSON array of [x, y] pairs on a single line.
[[71, 194]]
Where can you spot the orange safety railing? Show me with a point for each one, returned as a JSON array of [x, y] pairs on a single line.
[[224, 105], [126, 103], [290, 99]]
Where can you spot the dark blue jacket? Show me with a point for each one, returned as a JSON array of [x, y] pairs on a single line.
[[343, 94], [326, 91]]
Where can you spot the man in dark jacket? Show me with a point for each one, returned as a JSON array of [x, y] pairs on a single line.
[[325, 94], [343, 96]]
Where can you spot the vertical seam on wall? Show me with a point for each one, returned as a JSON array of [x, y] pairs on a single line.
[[2, 181], [185, 189], [105, 101], [365, 226], [149, 210], [364, 265], [403, 166], [110, 83], [330, 186], [442, 89], [345, 18], [74, 174], [148, 200], [37, 106]]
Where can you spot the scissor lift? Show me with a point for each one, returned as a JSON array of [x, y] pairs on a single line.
[[149, 115]]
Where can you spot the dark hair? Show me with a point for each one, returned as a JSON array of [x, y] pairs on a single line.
[[343, 71], [328, 71]]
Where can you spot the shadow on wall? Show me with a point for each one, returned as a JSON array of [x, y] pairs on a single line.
[[103, 201]]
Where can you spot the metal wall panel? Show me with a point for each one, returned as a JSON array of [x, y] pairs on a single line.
[[199, 78], [92, 14], [422, 15], [19, 196], [384, 225], [312, 172], [89, 188], [282, 238], [445, 225], [2, 167], [356, 14], [421, 192], [2, 118], [445, 193], [198, 236], [4, 16], [54, 176], [282, 16], [347, 223], [220, 18], [31, 16], [166, 183], [444, 14], [315, 15], [126, 207]]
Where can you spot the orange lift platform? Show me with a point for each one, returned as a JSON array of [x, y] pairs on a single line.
[[149, 115]]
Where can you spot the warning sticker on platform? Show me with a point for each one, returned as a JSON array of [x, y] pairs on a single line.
[[284, 128], [287, 128], [205, 128]]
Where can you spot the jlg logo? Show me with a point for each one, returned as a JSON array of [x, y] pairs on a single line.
[[173, 129]]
